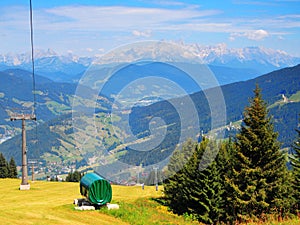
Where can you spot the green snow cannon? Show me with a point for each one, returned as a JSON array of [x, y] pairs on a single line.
[[96, 189]]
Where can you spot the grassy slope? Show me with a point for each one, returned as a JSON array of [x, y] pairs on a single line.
[[51, 203], [45, 203]]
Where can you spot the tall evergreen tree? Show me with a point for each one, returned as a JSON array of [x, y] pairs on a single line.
[[12, 167], [295, 161], [225, 163], [3, 167], [259, 171], [196, 191], [175, 187], [205, 199]]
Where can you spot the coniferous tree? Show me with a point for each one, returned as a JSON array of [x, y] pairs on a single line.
[[13, 173], [259, 171], [74, 176], [3, 167], [225, 162], [8, 170], [196, 189], [205, 199], [175, 187], [295, 161], [176, 193]]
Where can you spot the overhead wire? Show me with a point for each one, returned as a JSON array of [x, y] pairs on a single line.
[[32, 57], [33, 74]]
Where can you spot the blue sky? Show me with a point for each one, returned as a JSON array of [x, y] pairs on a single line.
[[91, 27]]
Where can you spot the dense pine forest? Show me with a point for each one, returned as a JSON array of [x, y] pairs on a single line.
[[248, 180]]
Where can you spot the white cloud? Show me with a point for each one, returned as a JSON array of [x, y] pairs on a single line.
[[168, 2], [82, 26], [119, 17], [292, 16], [141, 20], [256, 35], [141, 33]]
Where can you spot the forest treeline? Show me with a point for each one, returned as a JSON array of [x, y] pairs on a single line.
[[8, 169], [242, 179]]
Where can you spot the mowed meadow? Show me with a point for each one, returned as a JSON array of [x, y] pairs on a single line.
[[52, 203]]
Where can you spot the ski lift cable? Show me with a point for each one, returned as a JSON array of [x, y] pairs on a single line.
[[32, 62], [32, 58], [33, 74]]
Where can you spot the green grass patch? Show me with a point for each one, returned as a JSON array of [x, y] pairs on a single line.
[[38, 92], [57, 108], [23, 103], [145, 211], [295, 97]]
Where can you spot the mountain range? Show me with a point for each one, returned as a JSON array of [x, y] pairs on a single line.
[[229, 64], [54, 142]]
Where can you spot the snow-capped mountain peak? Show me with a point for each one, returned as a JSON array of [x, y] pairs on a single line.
[[49, 62]]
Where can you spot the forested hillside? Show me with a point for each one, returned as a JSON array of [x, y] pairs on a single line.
[[52, 98], [282, 82], [56, 141]]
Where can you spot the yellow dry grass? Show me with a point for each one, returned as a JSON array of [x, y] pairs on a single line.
[[133, 193], [45, 203]]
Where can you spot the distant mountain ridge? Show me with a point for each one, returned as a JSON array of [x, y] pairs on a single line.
[[220, 55], [70, 67], [47, 63]]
